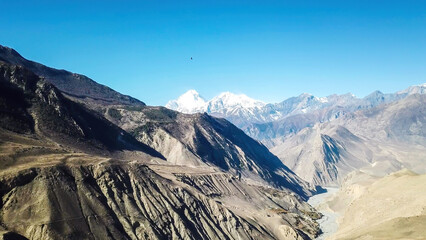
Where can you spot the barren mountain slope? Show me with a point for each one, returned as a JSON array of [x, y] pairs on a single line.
[[113, 201], [32, 105], [49, 192], [60, 178], [192, 140], [202, 140], [392, 207]]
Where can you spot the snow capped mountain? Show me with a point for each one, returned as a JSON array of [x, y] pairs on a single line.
[[189, 102], [244, 111], [230, 102], [227, 105]]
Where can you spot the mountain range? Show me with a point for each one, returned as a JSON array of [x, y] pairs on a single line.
[[82, 161], [244, 111]]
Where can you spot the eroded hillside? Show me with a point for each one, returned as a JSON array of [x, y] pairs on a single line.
[[67, 172]]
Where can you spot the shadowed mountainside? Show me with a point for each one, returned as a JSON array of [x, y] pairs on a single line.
[[70, 83], [32, 105]]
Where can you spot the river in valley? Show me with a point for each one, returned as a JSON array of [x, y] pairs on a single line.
[[328, 223]]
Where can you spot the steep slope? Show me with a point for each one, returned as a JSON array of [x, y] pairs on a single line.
[[74, 84], [203, 140], [48, 192], [32, 105], [208, 140], [324, 156], [379, 140], [75, 195]]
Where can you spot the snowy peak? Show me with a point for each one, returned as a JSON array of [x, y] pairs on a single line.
[[192, 102], [226, 101], [242, 110], [416, 89], [189, 102]]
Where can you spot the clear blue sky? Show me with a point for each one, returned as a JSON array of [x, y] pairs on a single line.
[[269, 50]]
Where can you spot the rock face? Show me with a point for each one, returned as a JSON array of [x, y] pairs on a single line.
[[113, 202], [295, 215], [75, 84]]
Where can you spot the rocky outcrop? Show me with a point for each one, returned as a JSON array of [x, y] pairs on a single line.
[[115, 202], [277, 209]]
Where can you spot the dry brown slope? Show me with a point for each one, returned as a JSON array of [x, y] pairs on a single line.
[[200, 140], [393, 207]]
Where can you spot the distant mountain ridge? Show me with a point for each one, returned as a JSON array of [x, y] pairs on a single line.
[[264, 121]]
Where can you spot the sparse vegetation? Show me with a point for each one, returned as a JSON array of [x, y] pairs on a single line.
[[147, 128], [161, 114], [279, 210], [114, 113], [134, 108]]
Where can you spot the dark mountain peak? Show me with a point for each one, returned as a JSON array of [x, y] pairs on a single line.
[[7, 51], [75, 85]]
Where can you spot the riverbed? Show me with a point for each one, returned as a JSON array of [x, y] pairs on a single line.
[[328, 223]]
